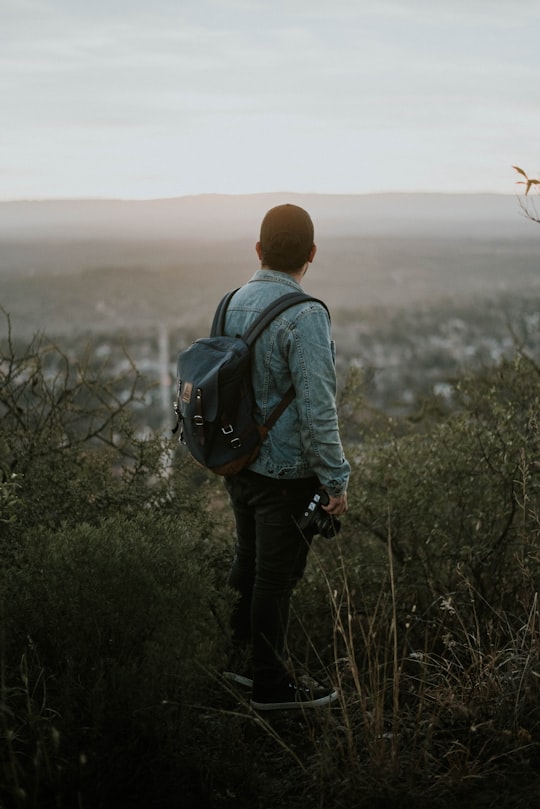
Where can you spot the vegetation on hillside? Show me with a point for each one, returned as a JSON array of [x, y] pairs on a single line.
[[424, 610], [527, 201]]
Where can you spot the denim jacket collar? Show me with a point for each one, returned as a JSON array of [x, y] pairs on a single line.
[[274, 275]]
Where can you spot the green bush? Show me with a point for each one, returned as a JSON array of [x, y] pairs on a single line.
[[458, 501], [112, 621], [112, 632]]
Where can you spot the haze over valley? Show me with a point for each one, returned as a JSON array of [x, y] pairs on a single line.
[[78, 265], [427, 281]]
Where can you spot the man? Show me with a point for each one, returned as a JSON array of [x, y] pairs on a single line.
[[301, 454]]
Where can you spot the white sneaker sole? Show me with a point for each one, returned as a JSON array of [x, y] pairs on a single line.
[[239, 679], [285, 706]]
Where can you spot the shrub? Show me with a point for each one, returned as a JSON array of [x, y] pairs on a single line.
[[110, 634], [459, 501], [112, 624]]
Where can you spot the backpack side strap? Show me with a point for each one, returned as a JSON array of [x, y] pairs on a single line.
[[282, 405]]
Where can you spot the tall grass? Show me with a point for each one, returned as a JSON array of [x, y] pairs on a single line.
[[434, 706]]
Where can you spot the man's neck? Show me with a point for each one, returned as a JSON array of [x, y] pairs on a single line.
[[299, 274]]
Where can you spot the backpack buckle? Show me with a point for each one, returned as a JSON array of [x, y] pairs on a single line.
[[227, 429], [199, 421], [236, 443]]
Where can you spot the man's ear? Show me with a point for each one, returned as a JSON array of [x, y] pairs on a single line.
[[258, 250], [312, 253]]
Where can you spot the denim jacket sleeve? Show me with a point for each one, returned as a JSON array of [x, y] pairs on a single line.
[[312, 366]]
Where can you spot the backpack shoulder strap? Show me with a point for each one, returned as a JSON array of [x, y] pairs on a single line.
[[273, 310], [218, 323]]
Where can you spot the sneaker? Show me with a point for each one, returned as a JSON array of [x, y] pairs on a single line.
[[290, 694], [245, 679]]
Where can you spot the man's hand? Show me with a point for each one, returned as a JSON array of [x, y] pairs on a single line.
[[336, 505]]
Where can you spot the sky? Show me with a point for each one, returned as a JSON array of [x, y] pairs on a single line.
[[146, 99]]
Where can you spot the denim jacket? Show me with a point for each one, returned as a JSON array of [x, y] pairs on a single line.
[[296, 348]]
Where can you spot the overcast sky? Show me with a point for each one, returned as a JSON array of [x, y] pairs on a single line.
[[162, 98]]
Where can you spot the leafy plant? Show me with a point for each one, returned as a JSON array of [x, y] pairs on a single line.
[[530, 183]]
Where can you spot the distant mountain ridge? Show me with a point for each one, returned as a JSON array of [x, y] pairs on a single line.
[[216, 217]]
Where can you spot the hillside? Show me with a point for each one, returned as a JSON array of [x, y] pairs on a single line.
[[215, 216]]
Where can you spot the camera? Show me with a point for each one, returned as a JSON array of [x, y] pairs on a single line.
[[316, 520]]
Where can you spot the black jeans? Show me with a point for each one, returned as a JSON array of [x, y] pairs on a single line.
[[270, 559]]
